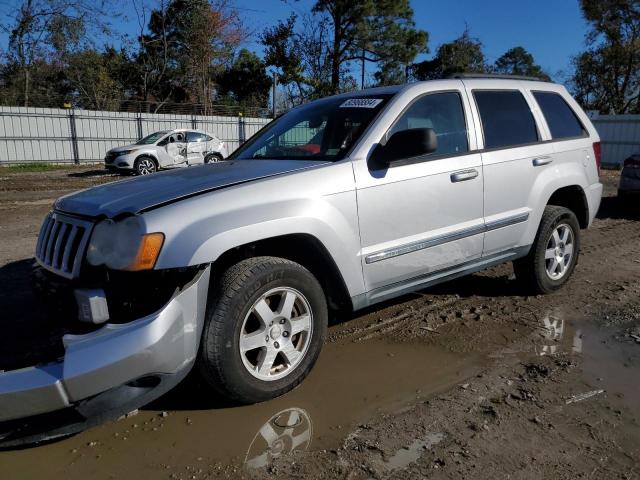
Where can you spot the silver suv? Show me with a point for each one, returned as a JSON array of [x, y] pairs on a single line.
[[339, 204], [166, 149]]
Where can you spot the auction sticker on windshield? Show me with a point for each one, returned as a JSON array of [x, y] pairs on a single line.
[[361, 103]]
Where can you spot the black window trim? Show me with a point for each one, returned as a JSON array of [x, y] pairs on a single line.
[[585, 132], [429, 156], [507, 147]]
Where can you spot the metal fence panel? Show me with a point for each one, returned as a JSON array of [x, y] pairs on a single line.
[[51, 135], [619, 136]]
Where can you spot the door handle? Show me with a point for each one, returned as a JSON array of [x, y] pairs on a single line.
[[539, 161], [464, 175]]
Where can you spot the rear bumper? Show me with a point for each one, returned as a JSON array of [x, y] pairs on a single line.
[[594, 197], [162, 344]]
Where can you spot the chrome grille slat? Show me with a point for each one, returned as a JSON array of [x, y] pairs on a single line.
[[50, 242], [44, 238], [62, 243], [62, 231], [67, 249]]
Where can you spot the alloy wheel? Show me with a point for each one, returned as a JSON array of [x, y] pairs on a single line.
[[146, 166], [276, 333], [559, 252]]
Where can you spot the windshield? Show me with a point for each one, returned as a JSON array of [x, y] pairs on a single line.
[[321, 130], [153, 138]]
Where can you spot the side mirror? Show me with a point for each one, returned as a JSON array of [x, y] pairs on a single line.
[[406, 144], [172, 140]]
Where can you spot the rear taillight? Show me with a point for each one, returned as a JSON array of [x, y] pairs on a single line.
[[597, 153]]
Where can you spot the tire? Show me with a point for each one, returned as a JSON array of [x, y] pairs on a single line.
[[232, 318], [213, 158], [145, 166], [535, 271]]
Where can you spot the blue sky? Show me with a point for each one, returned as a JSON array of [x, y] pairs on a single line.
[[552, 30]]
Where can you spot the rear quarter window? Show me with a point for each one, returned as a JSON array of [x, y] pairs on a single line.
[[507, 120], [562, 120]]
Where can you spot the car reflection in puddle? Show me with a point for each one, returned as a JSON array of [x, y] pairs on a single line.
[[351, 382], [287, 431], [558, 336]]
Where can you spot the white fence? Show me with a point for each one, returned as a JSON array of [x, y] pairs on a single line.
[[84, 136], [619, 136]]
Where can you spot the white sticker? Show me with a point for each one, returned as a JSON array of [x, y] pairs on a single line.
[[361, 103]]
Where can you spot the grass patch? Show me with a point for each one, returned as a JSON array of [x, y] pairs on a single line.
[[34, 167]]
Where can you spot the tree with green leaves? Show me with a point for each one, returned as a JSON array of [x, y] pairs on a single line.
[[463, 55], [607, 75], [381, 31], [246, 81], [518, 61]]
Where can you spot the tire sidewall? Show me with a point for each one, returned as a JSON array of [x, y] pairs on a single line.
[[236, 375], [548, 284]]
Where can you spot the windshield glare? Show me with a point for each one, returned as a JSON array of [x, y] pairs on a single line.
[[153, 138], [321, 130]]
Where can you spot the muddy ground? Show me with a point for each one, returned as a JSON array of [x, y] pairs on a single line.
[[470, 379]]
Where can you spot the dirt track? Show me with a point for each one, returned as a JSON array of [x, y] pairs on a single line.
[[470, 379]]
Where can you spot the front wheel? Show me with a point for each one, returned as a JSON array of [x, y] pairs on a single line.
[[265, 327], [145, 166], [554, 253]]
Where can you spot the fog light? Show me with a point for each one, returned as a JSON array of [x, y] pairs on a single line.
[[92, 305]]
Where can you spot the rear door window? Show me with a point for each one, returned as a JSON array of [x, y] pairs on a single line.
[[507, 120], [562, 120], [193, 137], [443, 112]]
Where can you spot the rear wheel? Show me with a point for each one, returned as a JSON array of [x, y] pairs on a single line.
[[265, 327], [213, 158], [145, 166], [554, 253]]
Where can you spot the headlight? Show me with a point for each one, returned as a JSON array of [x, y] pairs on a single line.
[[123, 245], [123, 152]]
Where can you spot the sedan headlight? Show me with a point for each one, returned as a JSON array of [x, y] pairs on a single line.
[[123, 245], [123, 152]]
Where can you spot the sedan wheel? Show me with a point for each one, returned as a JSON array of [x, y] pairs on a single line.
[[145, 166]]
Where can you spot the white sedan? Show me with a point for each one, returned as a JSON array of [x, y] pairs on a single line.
[[166, 149]]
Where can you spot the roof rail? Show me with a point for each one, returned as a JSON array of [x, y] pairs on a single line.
[[462, 76]]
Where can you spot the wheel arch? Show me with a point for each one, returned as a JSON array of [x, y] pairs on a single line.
[[301, 248], [574, 198]]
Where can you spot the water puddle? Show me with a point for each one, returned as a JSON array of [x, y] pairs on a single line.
[[609, 362], [351, 382]]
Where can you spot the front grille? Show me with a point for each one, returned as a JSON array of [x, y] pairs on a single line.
[[109, 158], [62, 243]]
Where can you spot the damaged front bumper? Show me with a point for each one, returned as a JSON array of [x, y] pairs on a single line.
[[143, 352]]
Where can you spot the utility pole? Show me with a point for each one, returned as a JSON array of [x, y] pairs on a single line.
[[273, 94], [363, 58]]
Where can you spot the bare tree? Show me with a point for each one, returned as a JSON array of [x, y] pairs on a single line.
[[33, 24]]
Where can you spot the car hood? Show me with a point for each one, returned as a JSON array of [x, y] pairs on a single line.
[[143, 193], [125, 147]]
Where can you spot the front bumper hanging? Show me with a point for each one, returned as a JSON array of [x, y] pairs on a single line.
[[162, 344]]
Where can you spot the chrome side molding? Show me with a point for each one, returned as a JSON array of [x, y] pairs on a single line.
[[446, 238]]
